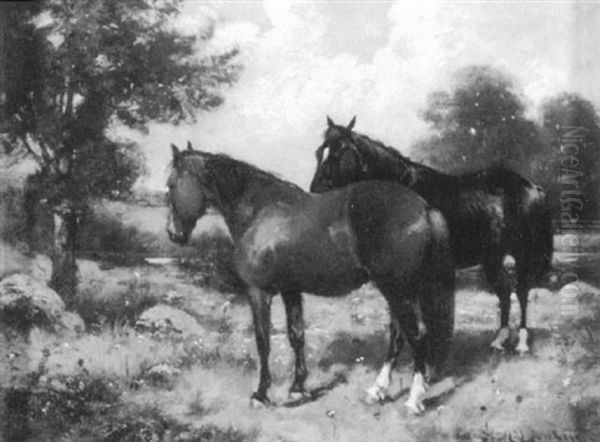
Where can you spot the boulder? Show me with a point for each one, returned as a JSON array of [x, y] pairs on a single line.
[[162, 374], [27, 302], [166, 320]]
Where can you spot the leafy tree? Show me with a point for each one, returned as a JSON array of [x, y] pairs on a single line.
[[95, 64], [570, 162], [478, 123], [18, 73]]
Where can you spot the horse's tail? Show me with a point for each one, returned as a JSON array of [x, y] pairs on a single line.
[[438, 307], [540, 243]]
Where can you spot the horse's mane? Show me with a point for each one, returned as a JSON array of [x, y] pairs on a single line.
[[220, 165], [376, 147], [378, 151]]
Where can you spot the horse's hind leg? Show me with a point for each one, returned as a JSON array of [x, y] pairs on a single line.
[[295, 326], [378, 391], [411, 318], [493, 268], [260, 302]]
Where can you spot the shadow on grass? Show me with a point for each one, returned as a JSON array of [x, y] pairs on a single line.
[[349, 349], [470, 356], [470, 350], [587, 419], [318, 392]]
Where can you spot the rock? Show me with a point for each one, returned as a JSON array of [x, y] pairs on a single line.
[[172, 297], [162, 374], [26, 302], [164, 320], [72, 321]]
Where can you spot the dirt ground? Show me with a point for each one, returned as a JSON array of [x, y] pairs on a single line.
[[208, 376]]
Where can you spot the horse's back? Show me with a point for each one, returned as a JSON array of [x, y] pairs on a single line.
[[307, 246]]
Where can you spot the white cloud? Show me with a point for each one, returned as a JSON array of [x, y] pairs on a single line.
[[275, 115]]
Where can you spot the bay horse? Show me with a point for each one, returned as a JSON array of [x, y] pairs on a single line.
[[288, 241], [491, 213]]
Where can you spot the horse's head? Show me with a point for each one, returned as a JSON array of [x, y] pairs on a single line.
[[188, 194], [339, 161]]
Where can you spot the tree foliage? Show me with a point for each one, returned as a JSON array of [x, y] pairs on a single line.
[[570, 162], [95, 64], [479, 122], [74, 69]]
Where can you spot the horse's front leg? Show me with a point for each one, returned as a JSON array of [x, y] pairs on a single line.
[[295, 326], [260, 302]]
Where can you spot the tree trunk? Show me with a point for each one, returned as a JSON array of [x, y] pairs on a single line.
[[64, 267]]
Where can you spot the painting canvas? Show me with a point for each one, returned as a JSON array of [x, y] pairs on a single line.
[[265, 220]]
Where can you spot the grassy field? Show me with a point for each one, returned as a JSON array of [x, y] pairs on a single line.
[[191, 380], [117, 382]]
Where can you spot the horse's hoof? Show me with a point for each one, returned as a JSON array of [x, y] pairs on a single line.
[[522, 347], [522, 350], [414, 407], [373, 395], [499, 348], [501, 339], [259, 402], [298, 395]]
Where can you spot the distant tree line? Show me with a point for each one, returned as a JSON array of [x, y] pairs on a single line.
[[481, 121]]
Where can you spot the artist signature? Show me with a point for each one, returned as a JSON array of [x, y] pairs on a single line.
[[486, 435]]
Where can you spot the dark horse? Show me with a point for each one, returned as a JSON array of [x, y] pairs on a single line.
[[491, 213], [288, 241]]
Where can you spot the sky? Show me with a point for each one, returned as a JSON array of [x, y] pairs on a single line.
[[378, 60]]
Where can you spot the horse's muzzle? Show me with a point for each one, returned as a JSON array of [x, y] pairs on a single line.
[[178, 238]]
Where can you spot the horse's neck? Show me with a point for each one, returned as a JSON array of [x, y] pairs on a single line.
[[385, 168], [244, 192], [431, 184], [230, 182]]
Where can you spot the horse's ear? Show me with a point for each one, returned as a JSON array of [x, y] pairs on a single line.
[[352, 123], [189, 145], [409, 177], [330, 122], [175, 151]]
